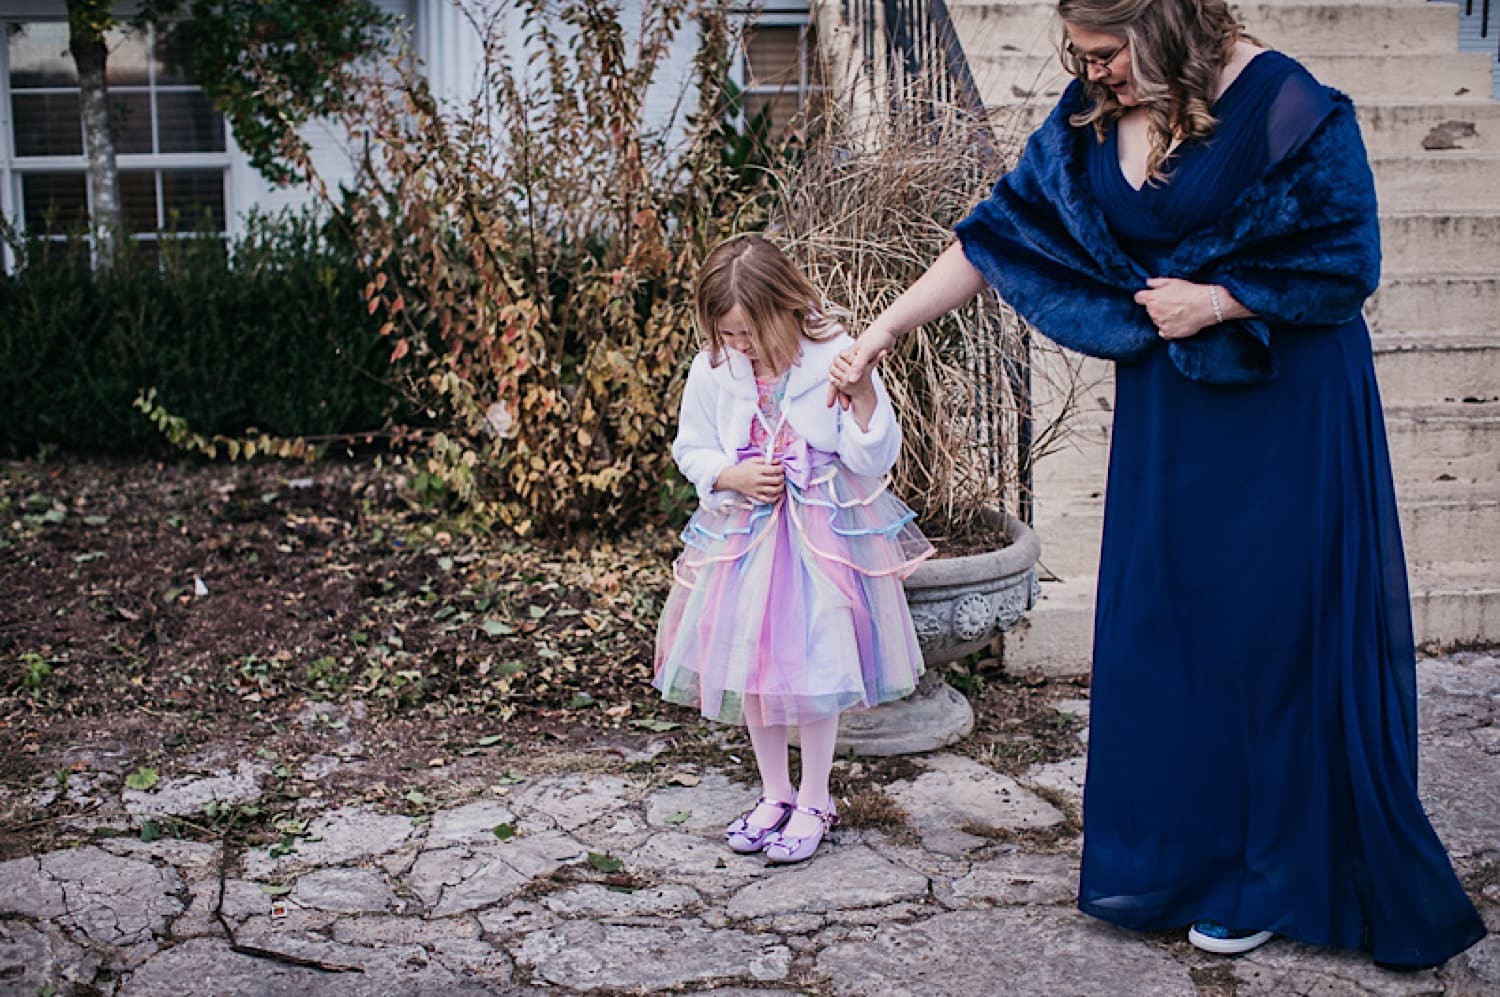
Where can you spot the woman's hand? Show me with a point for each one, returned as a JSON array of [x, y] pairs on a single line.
[[755, 479], [849, 374], [1180, 308]]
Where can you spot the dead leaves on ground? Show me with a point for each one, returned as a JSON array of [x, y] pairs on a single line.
[[216, 588]]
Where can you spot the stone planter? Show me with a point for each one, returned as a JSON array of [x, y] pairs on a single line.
[[958, 605]]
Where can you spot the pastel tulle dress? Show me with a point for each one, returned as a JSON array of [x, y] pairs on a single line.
[[792, 612]]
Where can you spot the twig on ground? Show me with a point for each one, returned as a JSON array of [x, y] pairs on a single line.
[[255, 950]]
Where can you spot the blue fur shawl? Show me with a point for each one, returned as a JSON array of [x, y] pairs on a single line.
[[1299, 247]]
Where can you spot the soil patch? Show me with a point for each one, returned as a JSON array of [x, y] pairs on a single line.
[[328, 626]]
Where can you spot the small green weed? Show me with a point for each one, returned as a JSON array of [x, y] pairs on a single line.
[[36, 672]]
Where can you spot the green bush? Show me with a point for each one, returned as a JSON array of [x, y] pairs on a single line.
[[271, 333]]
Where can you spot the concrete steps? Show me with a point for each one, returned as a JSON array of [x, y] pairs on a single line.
[[1440, 302], [1390, 126], [1453, 604], [1469, 125], [1439, 531], [1441, 521], [1447, 460], [1399, 26], [1454, 600], [1415, 369], [1454, 439], [1456, 603], [1457, 241], [1406, 182], [1436, 441], [1419, 76]]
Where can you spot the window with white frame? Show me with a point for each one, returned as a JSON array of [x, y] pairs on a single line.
[[779, 63], [170, 143]]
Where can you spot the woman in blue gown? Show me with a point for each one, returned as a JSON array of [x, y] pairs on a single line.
[[1252, 743]]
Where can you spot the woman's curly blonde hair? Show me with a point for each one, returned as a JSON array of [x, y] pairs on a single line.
[[1177, 50]]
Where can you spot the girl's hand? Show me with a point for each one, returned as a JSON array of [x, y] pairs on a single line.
[[1179, 308], [849, 374], [755, 479]]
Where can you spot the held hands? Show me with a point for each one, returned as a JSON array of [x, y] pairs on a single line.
[[1179, 308], [849, 382], [755, 479]]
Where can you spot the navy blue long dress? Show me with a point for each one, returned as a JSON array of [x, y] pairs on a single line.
[[1252, 745]]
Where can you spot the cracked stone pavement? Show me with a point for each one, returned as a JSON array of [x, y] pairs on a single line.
[[445, 906]]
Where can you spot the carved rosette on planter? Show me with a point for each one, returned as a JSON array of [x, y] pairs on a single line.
[[959, 605]]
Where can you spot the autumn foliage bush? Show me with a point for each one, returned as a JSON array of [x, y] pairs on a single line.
[[531, 253]]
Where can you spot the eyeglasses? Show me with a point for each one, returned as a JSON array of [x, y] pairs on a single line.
[[1091, 61]]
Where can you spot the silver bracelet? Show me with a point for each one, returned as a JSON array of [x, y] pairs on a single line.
[[1213, 298]]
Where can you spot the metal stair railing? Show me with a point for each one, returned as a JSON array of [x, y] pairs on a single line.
[[1489, 19], [1485, 22]]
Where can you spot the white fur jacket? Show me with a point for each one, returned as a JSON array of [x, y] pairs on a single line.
[[719, 403]]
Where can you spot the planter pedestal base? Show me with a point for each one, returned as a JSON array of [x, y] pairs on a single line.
[[934, 716]]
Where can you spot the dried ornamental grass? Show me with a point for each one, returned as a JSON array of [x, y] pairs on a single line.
[[866, 209]]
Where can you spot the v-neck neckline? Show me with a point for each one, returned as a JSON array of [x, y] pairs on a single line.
[[1114, 133]]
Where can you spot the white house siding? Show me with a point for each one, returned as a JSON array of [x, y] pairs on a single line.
[[452, 53], [329, 146]]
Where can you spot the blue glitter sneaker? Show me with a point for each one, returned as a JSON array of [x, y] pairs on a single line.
[[1211, 936]]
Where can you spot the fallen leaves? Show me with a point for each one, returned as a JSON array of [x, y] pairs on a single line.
[[343, 583], [142, 780], [606, 864]]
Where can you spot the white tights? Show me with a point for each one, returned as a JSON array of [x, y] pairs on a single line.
[[770, 744]]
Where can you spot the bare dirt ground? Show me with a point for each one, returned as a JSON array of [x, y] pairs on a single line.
[[156, 615]]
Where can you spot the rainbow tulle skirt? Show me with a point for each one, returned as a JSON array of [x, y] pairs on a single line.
[[794, 611]]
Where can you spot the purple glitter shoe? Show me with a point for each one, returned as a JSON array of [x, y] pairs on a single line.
[[784, 849], [745, 837], [1211, 936]]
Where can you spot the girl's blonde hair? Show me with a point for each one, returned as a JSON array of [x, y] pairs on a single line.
[[751, 272], [1177, 50]]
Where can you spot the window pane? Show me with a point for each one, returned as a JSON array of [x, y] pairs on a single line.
[[39, 56], [174, 53], [54, 202], [138, 200], [772, 56], [130, 121], [783, 110], [127, 61], [187, 122], [194, 199], [47, 124]]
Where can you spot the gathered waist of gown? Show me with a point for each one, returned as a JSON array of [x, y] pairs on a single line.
[[837, 516]]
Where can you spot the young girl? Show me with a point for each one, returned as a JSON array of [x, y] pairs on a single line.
[[786, 605]]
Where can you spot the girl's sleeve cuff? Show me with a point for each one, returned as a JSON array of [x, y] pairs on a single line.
[[871, 451], [707, 497]]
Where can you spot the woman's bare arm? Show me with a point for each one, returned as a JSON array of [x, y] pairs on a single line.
[[950, 282]]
